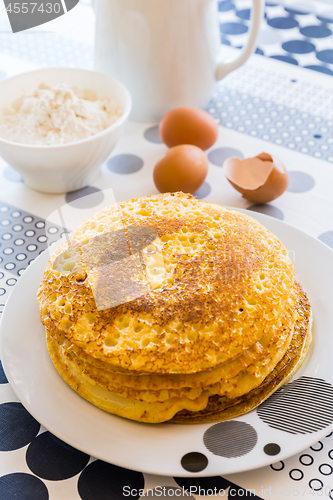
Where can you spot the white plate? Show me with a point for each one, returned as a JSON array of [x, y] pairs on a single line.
[[159, 448]]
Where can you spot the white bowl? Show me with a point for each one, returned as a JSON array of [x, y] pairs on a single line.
[[63, 167]]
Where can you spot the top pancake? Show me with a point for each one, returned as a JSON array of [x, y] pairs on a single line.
[[217, 284]]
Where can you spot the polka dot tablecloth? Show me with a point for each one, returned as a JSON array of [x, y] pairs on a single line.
[[267, 105], [298, 32]]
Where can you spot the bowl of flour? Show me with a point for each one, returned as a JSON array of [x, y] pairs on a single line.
[[58, 125]]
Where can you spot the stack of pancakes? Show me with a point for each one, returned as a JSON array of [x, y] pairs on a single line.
[[220, 322]]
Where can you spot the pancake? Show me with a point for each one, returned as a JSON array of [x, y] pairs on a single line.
[[228, 282], [264, 351], [209, 312], [233, 379], [221, 408], [201, 409]]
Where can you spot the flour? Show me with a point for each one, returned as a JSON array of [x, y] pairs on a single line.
[[57, 115]]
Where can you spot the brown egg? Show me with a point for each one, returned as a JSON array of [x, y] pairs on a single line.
[[188, 126], [183, 168], [260, 179]]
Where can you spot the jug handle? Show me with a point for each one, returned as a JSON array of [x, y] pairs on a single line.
[[224, 68]]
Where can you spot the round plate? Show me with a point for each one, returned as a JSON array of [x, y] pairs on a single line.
[[241, 444]]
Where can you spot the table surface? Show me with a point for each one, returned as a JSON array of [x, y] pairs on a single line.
[[282, 104]]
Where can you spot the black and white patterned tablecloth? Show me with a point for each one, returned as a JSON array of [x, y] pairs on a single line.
[[267, 105]]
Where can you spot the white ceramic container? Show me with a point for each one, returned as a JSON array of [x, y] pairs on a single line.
[[63, 167], [166, 52]]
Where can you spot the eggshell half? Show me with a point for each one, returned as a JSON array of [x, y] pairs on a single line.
[[260, 179]]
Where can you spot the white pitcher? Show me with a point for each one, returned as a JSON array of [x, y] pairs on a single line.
[[166, 52]]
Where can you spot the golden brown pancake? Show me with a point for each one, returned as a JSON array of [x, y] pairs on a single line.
[[203, 407], [218, 312], [223, 408]]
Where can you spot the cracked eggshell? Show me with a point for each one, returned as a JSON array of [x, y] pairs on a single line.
[[260, 179]]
